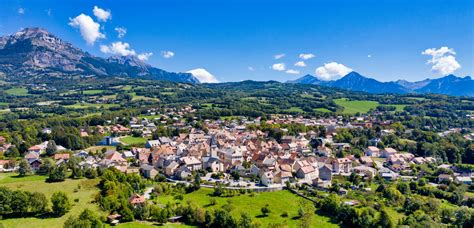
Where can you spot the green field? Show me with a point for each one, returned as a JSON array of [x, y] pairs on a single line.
[[322, 110], [18, 91], [278, 203], [7, 178], [294, 109], [352, 107], [130, 140], [148, 224], [89, 105], [93, 91], [83, 190]]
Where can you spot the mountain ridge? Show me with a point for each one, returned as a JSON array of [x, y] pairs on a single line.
[[449, 84], [34, 53]]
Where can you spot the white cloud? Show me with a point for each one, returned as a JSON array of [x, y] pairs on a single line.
[[167, 54], [300, 64], [291, 71], [101, 14], [21, 10], [443, 60], [279, 66], [307, 56], [117, 48], [203, 75], [49, 11], [144, 56], [121, 31], [89, 28], [251, 68], [279, 56], [369, 56], [331, 71]]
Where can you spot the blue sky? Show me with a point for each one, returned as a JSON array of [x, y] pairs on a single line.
[[238, 40]]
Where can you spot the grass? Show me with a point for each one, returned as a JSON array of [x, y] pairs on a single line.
[[322, 110], [148, 224], [17, 91], [130, 140], [93, 91], [84, 194], [278, 203], [352, 107], [294, 109], [136, 97], [89, 105], [7, 178]]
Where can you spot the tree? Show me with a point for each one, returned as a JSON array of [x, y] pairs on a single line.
[[245, 220], [51, 148], [61, 203], [57, 174], [384, 220], [305, 211], [38, 202], [265, 210], [12, 152], [24, 168], [197, 181]]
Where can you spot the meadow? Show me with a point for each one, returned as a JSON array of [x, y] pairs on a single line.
[[81, 193], [17, 91], [279, 202], [352, 107]]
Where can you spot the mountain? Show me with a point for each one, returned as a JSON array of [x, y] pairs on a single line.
[[449, 85], [356, 82], [307, 79], [35, 54]]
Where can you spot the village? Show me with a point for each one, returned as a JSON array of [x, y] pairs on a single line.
[[230, 154]]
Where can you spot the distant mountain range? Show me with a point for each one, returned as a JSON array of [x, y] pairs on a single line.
[[35, 54], [449, 85]]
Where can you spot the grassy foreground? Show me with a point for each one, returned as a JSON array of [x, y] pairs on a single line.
[[278, 202], [81, 193]]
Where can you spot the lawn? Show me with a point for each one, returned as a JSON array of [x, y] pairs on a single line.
[[7, 178], [93, 149], [136, 97], [82, 190], [17, 91], [278, 203], [352, 107], [130, 140]]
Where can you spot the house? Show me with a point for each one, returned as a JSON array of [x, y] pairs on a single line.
[[324, 151], [213, 164], [136, 199], [308, 173], [148, 171], [372, 151], [35, 164], [325, 172], [445, 178], [183, 173], [342, 165], [31, 156], [463, 180], [171, 168], [387, 152], [191, 163], [152, 143], [64, 157], [267, 178], [282, 177]]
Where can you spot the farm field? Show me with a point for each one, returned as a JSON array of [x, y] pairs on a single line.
[[352, 107], [89, 105], [278, 203], [82, 191], [18, 91], [93, 91]]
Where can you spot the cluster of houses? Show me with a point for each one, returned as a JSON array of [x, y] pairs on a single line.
[[229, 147]]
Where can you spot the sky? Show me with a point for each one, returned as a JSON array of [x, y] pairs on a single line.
[[265, 40]]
